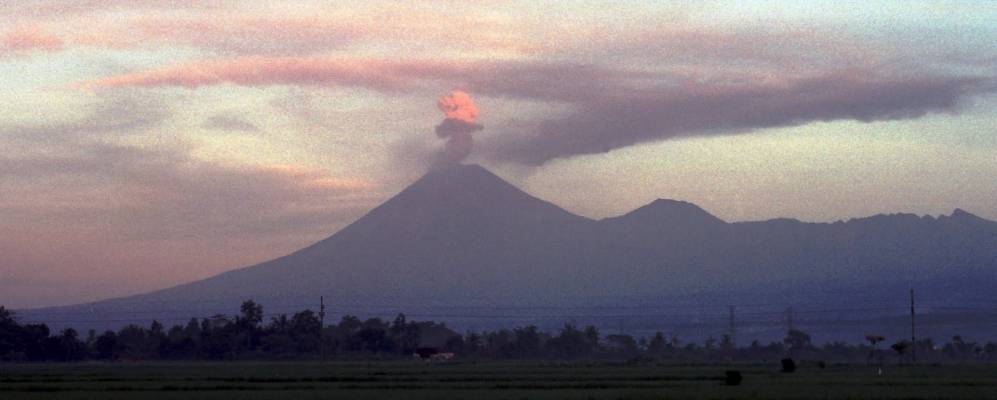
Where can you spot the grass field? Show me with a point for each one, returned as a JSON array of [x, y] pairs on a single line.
[[484, 380]]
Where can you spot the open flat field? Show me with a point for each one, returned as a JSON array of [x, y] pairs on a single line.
[[484, 380]]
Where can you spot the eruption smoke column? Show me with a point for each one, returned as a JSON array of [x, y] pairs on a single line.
[[460, 122]]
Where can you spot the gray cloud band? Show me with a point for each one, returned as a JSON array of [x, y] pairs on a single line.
[[602, 124], [614, 108]]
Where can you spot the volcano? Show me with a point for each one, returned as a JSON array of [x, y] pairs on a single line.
[[462, 244]]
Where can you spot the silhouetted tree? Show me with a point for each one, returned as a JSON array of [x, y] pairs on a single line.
[[472, 343], [33, 340], [622, 345], [797, 340], [990, 351], [710, 344], [959, 349], [216, 338], [244, 336], [10, 333], [251, 314], [405, 335], [181, 342], [873, 341], [499, 344], [68, 347], [527, 342], [726, 343], [373, 336], [247, 332], [900, 348], [573, 343], [658, 344], [105, 346], [592, 337]]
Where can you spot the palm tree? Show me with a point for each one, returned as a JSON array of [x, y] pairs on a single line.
[[873, 341]]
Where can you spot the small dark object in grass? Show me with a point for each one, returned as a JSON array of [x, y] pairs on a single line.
[[733, 378], [426, 352], [788, 365], [821, 364]]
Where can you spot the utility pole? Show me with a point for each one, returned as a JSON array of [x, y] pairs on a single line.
[[913, 338], [789, 319], [321, 319], [733, 332]]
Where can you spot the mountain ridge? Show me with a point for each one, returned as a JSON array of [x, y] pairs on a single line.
[[462, 235]]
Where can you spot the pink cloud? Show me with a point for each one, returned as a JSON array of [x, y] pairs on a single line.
[[262, 71], [27, 38], [236, 34], [231, 29], [308, 178], [61, 8], [531, 80]]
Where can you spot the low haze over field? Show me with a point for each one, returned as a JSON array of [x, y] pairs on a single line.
[[146, 145]]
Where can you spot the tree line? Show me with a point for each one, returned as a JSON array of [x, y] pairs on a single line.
[[302, 335]]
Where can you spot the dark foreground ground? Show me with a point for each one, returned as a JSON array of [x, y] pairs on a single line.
[[485, 380]]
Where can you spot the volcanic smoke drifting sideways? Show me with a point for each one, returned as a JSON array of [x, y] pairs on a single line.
[[461, 114]]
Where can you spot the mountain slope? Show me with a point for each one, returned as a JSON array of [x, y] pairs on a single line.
[[462, 237], [457, 233]]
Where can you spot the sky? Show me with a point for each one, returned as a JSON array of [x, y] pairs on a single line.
[[145, 144]]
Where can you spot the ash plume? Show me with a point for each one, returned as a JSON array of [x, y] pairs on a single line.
[[459, 123]]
